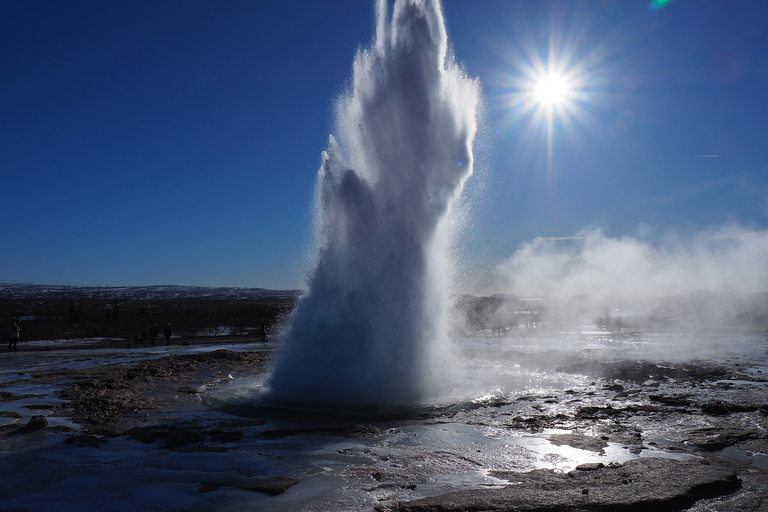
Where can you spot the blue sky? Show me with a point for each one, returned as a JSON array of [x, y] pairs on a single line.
[[177, 142]]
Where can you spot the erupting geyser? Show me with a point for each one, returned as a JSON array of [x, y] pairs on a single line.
[[371, 329]]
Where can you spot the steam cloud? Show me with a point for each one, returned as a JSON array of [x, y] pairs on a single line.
[[729, 263], [372, 327], [595, 264]]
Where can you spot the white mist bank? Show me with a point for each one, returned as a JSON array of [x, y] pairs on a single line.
[[628, 266], [372, 328], [709, 279]]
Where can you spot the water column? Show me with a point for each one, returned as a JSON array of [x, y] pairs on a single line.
[[372, 329]]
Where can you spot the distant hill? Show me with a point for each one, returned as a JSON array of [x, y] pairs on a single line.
[[31, 291]]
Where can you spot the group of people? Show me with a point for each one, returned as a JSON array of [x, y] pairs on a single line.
[[14, 332], [166, 333]]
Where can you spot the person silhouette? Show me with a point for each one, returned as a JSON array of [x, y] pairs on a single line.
[[167, 333], [13, 336], [153, 333]]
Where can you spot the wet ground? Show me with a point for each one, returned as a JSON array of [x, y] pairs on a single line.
[[563, 421]]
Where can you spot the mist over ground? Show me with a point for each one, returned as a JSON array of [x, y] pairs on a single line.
[[708, 279]]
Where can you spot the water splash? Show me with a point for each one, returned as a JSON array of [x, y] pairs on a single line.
[[371, 329]]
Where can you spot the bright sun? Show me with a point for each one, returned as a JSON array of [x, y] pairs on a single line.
[[551, 89]]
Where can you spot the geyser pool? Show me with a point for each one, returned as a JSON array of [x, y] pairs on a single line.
[[371, 328]]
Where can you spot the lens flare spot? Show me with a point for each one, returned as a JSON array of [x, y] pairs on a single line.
[[658, 4], [598, 86]]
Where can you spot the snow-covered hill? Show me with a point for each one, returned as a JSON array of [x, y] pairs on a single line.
[[19, 291]]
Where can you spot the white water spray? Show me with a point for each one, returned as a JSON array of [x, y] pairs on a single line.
[[371, 329]]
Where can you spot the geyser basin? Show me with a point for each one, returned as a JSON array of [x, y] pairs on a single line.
[[371, 329]]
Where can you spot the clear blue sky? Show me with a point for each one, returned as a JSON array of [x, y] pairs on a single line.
[[177, 142]]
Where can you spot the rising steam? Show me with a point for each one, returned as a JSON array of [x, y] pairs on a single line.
[[728, 264], [595, 264], [371, 328]]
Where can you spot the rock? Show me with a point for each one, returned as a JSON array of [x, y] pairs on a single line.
[[274, 486], [192, 390], [39, 406], [675, 401], [102, 399], [720, 408], [271, 485], [364, 431], [714, 439], [582, 442], [208, 487], [174, 437], [639, 372], [640, 484], [590, 466], [36, 423], [593, 412], [225, 436], [84, 440]]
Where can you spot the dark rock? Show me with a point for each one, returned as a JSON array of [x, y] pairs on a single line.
[[582, 442], [714, 439], [590, 466], [274, 486], [173, 436], [104, 398], [84, 440], [720, 408], [204, 449], [39, 406], [208, 487], [715, 409], [675, 401], [592, 412], [36, 423], [364, 431], [277, 433], [642, 371], [641, 484], [225, 436]]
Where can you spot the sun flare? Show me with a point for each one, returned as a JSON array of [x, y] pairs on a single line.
[[551, 89]]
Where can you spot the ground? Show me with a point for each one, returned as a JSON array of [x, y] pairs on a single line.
[[691, 435]]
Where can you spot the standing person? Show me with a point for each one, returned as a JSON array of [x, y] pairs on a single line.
[[153, 333], [167, 333], [13, 335]]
